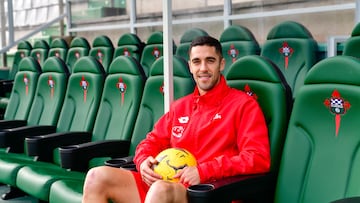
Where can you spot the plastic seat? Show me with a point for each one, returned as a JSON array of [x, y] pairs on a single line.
[[77, 114], [46, 105], [151, 108], [320, 157], [103, 50], [23, 50], [129, 45], [79, 47], [111, 135], [23, 91], [293, 49], [153, 50], [8, 75], [261, 79], [40, 51], [186, 39], [237, 41], [351, 46], [58, 48]]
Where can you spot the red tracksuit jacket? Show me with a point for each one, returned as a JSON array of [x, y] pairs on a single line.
[[224, 129]]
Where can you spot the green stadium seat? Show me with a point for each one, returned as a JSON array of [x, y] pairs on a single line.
[[351, 46], [79, 47], [153, 50], [46, 105], [6, 82], [77, 114], [186, 39], [23, 50], [261, 79], [237, 41], [293, 49], [129, 45], [59, 48], [103, 50], [23, 91], [111, 135], [320, 160], [40, 51], [151, 108]]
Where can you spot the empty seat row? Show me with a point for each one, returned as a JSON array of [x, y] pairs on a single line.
[[100, 112]]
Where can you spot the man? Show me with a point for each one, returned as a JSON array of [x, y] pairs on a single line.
[[222, 127]]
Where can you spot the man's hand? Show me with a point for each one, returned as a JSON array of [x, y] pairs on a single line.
[[188, 176], [147, 173]]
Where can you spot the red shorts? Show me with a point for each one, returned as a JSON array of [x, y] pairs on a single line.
[[141, 185]]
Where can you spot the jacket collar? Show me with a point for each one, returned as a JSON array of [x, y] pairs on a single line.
[[214, 96]]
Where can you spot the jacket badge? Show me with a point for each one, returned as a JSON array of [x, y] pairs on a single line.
[[249, 92], [183, 119], [337, 106], [286, 51], [177, 131]]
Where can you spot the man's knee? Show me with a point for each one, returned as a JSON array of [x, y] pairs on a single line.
[[96, 176]]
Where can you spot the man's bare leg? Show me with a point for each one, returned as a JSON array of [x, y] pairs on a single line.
[[104, 183], [166, 192]]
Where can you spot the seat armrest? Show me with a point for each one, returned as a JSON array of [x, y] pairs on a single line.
[[13, 138], [120, 161], [348, 200], [43, 146], [77, 157], [257, 187], [6, 124], [6, 86]]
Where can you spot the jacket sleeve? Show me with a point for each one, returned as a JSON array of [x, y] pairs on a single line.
[[156, 141], [253, 146]]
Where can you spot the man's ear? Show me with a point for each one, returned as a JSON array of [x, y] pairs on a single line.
[[222, 64]]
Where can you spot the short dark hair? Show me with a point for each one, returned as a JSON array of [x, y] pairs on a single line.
[[209, 41]]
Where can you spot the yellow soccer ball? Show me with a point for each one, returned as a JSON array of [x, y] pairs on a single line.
[[171, 160]]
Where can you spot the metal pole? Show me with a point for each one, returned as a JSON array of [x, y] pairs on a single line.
[[227, 13], [168, 55], [133, 16], [61, 23], [357, 11], [11, 22], [3, 31]]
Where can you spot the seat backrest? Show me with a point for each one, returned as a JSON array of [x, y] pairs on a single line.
[[50, 92], [82, 96], [152, 102], [58, 48], [186, 39], [153, 50], [103, 50], [40, 51], [23, 91], [23, 50], [351, 46], [237, 41], [320, 161], [293, 49], [129, 44], [79, 47], [261, 79], [120, 100]]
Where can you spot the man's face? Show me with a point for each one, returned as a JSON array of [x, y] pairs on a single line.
[[205, 66]]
